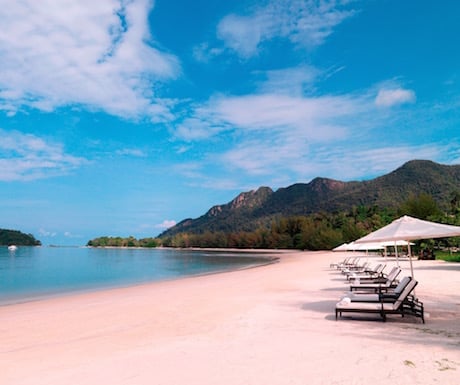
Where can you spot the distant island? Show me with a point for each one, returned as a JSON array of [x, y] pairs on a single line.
[[15, 237]]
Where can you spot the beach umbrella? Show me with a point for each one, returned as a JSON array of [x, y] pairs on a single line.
[[408, 229], [342, 247]]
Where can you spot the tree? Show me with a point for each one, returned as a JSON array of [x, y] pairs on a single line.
[[420, 206], [455, 202]]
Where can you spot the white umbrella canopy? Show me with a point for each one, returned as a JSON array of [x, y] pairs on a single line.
[[342, 247], [396, 243], [407, 229], [365, 246]]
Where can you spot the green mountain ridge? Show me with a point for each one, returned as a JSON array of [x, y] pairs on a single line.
[[250, 210]]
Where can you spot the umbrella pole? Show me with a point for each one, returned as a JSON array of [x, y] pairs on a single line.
[[410, 260], [396, 254]]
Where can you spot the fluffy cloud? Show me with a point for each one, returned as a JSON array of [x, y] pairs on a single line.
[[302, 117], [292, 81], [306, 23], [270, 133], [166, 224], [96, 54], [391, 97], [27, 157]]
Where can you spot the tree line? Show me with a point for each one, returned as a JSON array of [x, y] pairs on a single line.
[[123, 242]]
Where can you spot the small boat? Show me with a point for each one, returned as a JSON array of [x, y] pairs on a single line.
[[12, 247]]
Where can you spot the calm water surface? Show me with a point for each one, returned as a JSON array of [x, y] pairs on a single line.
[[34, 272]]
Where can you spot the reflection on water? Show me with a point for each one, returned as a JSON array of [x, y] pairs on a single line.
[[32, 272]]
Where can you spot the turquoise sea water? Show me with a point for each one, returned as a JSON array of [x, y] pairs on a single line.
[[30, 273]]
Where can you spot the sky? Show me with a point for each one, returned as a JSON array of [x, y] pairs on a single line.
[[124, 117]]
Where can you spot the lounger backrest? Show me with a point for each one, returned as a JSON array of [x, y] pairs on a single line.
[[402, 285], [375, 269], [379, 268], [393, 274], [407, 290], [391, 277]]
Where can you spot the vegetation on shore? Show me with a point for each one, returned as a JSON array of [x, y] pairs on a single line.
[[15, 237], [448, 256], [123, 242]]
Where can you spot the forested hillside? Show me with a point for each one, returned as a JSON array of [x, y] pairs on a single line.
[[15, 237], [324, 212]]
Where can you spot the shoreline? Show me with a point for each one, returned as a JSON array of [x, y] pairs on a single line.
[[274, 324], [264, 257]]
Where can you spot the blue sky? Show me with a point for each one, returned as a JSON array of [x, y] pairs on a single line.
[[123, 117]]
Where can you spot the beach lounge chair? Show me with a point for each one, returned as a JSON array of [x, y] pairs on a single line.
[[340, 264], [377, 286], [386, 296], [375, 272], [355, 266], [380, 278], [358, 269], [403, 304], [347, 262]]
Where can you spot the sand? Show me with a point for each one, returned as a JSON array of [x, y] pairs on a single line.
[[268, 325]]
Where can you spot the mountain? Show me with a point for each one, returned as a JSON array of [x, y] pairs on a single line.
[[249, 210]]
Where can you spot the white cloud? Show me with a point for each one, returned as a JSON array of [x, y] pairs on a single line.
[[306, 23], [192, 129], [97, 54], [292, 81], [271, 134], [391, 97], [298, 137], [203, 52], [166, 224], [131, 152], [27, 157], [340, 163], [303, 117], [242, 34], [45, 233], [68, 234]]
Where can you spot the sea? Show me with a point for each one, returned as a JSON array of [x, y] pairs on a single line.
[[32, 273]]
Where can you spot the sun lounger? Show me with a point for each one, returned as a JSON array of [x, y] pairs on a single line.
[[380, 278], [403, 304], [387, 296], [339, 264], [359, 269], [356, 267], [375, 272], [377, 287]]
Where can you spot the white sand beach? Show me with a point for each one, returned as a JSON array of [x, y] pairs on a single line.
[[268, 325]]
